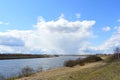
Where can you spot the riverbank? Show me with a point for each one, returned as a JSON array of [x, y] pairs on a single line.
[[61, 72], [24, 56], [91, 71]]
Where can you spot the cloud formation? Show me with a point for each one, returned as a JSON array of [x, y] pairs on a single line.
[[11, 41], [4, 23], [106, 29], [78, 15], [109, 45], [57, 37], [63, 36], [54, 37], [1, 22], [113, 41], [118, 20]]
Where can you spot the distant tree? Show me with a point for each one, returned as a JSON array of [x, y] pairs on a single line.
[[117, 53]]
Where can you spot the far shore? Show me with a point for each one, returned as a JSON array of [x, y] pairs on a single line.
[[6, 56], [24, 56]]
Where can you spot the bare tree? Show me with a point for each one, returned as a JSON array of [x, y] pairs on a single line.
[[117, 53]]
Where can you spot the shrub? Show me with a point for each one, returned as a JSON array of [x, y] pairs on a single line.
[[26, 71], [92, 58], [70, 63], [81, 62], [2, 77], [39, 69]]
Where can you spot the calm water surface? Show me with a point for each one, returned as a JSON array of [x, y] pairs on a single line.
[[10, 68]]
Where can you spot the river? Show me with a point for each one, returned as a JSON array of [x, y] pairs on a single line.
[[10, 68]]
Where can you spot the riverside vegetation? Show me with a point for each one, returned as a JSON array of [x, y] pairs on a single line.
[[108, 69], [25, 72], [81, 62], [91, 68]]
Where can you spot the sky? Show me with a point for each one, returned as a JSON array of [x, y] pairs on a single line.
[[59, 26]]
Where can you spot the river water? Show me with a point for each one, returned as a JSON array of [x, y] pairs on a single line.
[[10, 68]]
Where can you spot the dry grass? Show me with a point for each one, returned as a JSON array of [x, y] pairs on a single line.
[[60, 72], [91, 71]]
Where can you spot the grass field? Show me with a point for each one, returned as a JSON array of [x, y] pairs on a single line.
[[106, 72]]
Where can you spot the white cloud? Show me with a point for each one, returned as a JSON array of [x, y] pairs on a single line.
[[1, 22], [114, 41], [78, 15], [62, 16], [8, 41], [4, 23], [7, 23], [118, 20], [107, 28], [61, 36], [109, 44], [117, 28]]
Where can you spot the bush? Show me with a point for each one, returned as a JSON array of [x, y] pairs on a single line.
[[39, 69], [81, 62], [92, 58], [26, 71], [2, 77], [70, 63]]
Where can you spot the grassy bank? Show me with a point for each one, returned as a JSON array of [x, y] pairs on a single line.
[[91, 71], [106, 72], [103, 71], [59, 73]]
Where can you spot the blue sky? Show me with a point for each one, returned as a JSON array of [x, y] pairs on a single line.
[[22, 17]]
